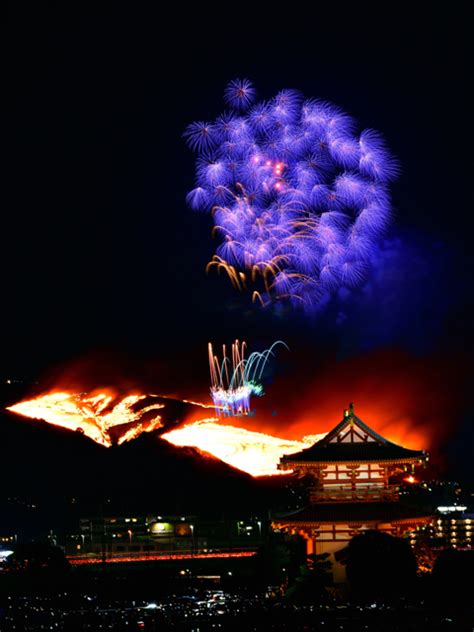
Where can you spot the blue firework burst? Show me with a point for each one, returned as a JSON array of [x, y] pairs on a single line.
[[240, 94], [299, 197]]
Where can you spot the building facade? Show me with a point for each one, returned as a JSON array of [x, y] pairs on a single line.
[[352, 488], [152, 535]]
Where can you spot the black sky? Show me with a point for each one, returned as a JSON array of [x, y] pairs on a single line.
[[99, 250]]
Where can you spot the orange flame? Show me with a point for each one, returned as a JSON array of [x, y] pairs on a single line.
[[94, 415], [253, 452], [103, 418]]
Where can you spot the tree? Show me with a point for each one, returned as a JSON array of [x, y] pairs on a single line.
[[313, 579], [37, 557], [273, 559], [451, 578], [279, 558], [380, 566]]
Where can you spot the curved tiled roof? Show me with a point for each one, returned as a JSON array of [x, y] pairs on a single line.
[[327, 450], [354, 452], [358, 512]]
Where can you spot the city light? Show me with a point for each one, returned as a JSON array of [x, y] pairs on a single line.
[[116, 559]]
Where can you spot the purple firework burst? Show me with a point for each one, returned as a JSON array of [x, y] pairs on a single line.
[[299, 198], [239, 94]]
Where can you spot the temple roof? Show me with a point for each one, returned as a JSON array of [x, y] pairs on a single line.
[[354, 512], [352, 441]]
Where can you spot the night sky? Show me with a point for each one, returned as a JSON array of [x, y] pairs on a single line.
[[104, 265]]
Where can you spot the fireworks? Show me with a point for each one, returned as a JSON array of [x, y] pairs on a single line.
[[234, 381], [299, 198]]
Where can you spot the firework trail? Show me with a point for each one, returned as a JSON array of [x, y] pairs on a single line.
[[299, 198], [234, 381]]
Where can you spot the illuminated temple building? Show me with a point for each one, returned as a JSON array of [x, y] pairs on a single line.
[[352, 489]]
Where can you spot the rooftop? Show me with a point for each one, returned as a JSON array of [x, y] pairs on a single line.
[[370, 512], [352, 441]]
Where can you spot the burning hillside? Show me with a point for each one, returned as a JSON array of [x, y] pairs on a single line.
[[253, 452], [109, 419], [106, 417]]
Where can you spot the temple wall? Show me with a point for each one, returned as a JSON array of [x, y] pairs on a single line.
[[330, 538], [366, 477]]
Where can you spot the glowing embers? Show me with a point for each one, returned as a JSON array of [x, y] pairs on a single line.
[[140, 557], [234, 380], [256, 453], [100, 416]]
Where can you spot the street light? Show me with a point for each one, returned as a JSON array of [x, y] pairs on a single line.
[[130, 533], [259, 528], [191, 526]]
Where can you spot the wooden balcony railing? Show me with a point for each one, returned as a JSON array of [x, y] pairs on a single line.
[[364, 494]]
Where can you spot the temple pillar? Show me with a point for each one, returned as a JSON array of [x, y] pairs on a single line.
[[310, 544]]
